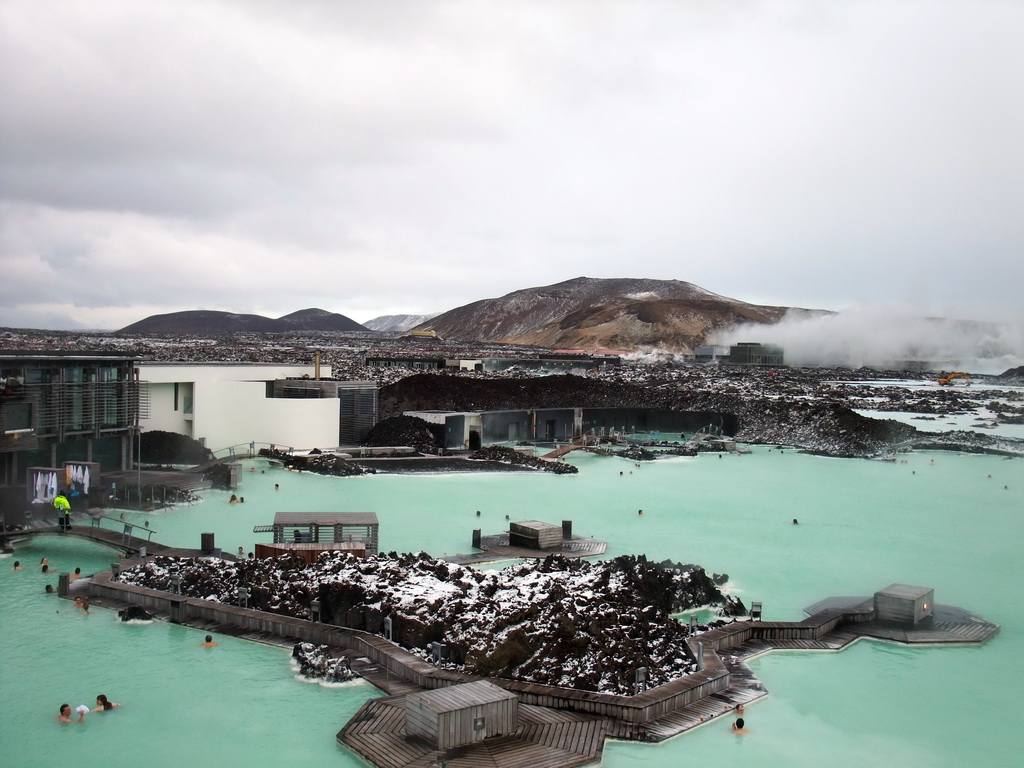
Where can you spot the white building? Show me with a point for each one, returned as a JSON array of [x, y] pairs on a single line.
[[231, 404]]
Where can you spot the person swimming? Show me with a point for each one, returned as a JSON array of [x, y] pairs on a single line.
[[208, 642], [738, 727], [103, 703], [65, 714]]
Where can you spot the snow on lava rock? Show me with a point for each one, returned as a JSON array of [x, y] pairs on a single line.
[[556, 621]]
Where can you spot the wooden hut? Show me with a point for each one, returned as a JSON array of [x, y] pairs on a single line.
[[461, 714], [904, 604], [534, 534]]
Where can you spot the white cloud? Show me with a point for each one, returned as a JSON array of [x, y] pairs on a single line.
[[277, 155]]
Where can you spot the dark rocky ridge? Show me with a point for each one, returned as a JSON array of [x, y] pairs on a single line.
[[406, 431], [205, 322], [160, 447], [504, 455], [317, 462]]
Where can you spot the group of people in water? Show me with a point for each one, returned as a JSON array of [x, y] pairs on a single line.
[[102, 705], [46, 567]]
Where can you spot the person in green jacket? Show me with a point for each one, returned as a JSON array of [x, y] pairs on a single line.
[[63, 507]]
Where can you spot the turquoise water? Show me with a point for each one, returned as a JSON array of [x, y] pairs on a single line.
[[937, 521]]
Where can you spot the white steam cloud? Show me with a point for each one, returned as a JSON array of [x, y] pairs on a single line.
[[883, 339]]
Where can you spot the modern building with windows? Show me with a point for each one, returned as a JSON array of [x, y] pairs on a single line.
[[58, 407]]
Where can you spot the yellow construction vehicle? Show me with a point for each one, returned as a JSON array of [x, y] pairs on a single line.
[[946, 380]]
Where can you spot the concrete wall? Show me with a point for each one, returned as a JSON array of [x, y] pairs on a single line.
[[228, 413], [230, 406]]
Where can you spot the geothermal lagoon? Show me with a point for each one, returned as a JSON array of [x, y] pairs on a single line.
[[943, 520]]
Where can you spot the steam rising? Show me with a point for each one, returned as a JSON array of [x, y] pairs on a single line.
[[886, 340]]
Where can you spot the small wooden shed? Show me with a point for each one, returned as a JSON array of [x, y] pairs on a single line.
[[461, 714], [294, 528], [904, 604], [535, 535]]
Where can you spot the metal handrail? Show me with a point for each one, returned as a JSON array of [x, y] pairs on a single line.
[[128, 530], [249, 449]]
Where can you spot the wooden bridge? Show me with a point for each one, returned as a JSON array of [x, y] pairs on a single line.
[[127, 537]]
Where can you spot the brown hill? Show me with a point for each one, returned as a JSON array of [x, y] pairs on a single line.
[[614, 313]]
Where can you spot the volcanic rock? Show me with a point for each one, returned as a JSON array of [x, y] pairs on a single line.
[[505, 455], [556, 621]]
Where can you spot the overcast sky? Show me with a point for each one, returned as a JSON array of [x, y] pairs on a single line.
[[381, 157]]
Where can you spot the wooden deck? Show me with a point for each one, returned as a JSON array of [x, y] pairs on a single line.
[[545, 738], [559, 734], [184, 480], [948, 625]]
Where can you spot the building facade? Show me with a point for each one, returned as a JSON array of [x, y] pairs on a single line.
[[225, 405], [67, 407], [357, 403]]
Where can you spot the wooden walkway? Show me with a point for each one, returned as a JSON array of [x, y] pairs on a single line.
[[562, 450], [545, 738], [557, 735], [497, 547], [82, 528]]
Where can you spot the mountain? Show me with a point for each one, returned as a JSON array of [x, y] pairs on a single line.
[[205, 321], [396, 323], [615, 313], [320, 320]]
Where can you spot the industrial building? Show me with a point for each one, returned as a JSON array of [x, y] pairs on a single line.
[[754, 353]]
